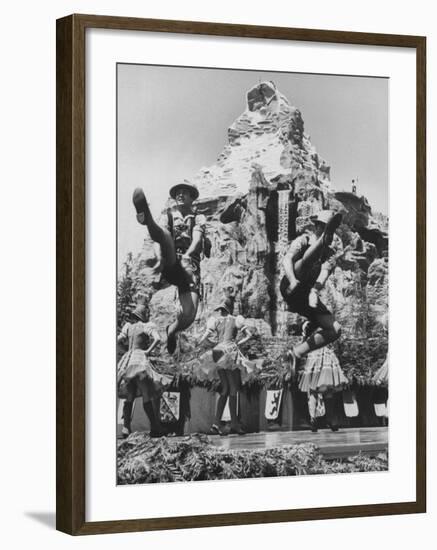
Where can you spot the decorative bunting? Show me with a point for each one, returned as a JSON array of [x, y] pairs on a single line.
[[273, 404], [169, 408], [350, 404]]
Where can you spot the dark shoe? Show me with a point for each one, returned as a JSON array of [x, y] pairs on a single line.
[[334, 427], [215, 430], [141, 206], [171, 342], [313, 422], [237, 430], [155, 433]]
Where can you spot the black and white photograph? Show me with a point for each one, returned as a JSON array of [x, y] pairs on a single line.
[[215, 224], [252, 274]]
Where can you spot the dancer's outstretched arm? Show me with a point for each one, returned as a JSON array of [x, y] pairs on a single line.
[[156, 340], [197, 236], [196, 243], [210, 332], [328, 267], [240, 323], [247, 335], [317, 287], [122, 338]]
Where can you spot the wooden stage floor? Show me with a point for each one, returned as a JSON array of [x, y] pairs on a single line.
[[345, 442]]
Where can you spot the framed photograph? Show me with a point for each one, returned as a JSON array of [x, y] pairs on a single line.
[[240, 274]]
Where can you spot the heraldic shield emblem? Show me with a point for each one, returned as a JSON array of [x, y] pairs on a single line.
[[169, 408], [273, 404]]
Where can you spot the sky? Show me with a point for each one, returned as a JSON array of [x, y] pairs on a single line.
[[172, 121]]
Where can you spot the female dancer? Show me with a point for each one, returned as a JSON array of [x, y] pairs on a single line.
[[135, 370], [321, 378], [222, 330]]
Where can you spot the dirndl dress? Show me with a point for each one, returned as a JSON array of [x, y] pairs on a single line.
[[135, 363], [322, 373], [380, 377], [225, 354], [206, 369]]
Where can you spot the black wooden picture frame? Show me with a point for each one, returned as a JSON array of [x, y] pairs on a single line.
[[71, 253]]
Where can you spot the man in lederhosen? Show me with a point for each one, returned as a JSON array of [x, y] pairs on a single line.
[[179, 238], [307, 265]]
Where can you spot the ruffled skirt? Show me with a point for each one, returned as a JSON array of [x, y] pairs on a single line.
[[322, 373], [135, 363], [380, 377], [223, 356]]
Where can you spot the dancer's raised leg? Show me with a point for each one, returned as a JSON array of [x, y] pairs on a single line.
[[159, 234], [327, 332], [315, 251], [189, 302]]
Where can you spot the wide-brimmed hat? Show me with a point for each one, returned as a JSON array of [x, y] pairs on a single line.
[[194, 192], [324, 216], [141, 312], [227, 305]]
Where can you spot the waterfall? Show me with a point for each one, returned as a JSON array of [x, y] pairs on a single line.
[[283, 216], [283, 207]]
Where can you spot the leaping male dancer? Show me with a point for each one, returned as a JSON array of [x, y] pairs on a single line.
[[307, 266], [179, 238]]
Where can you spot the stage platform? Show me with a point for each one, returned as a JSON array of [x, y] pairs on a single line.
[[345, 442]]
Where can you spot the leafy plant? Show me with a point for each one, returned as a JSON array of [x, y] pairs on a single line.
[[141, 459]]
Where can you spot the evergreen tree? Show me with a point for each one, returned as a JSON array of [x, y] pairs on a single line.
[[126, 290]]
